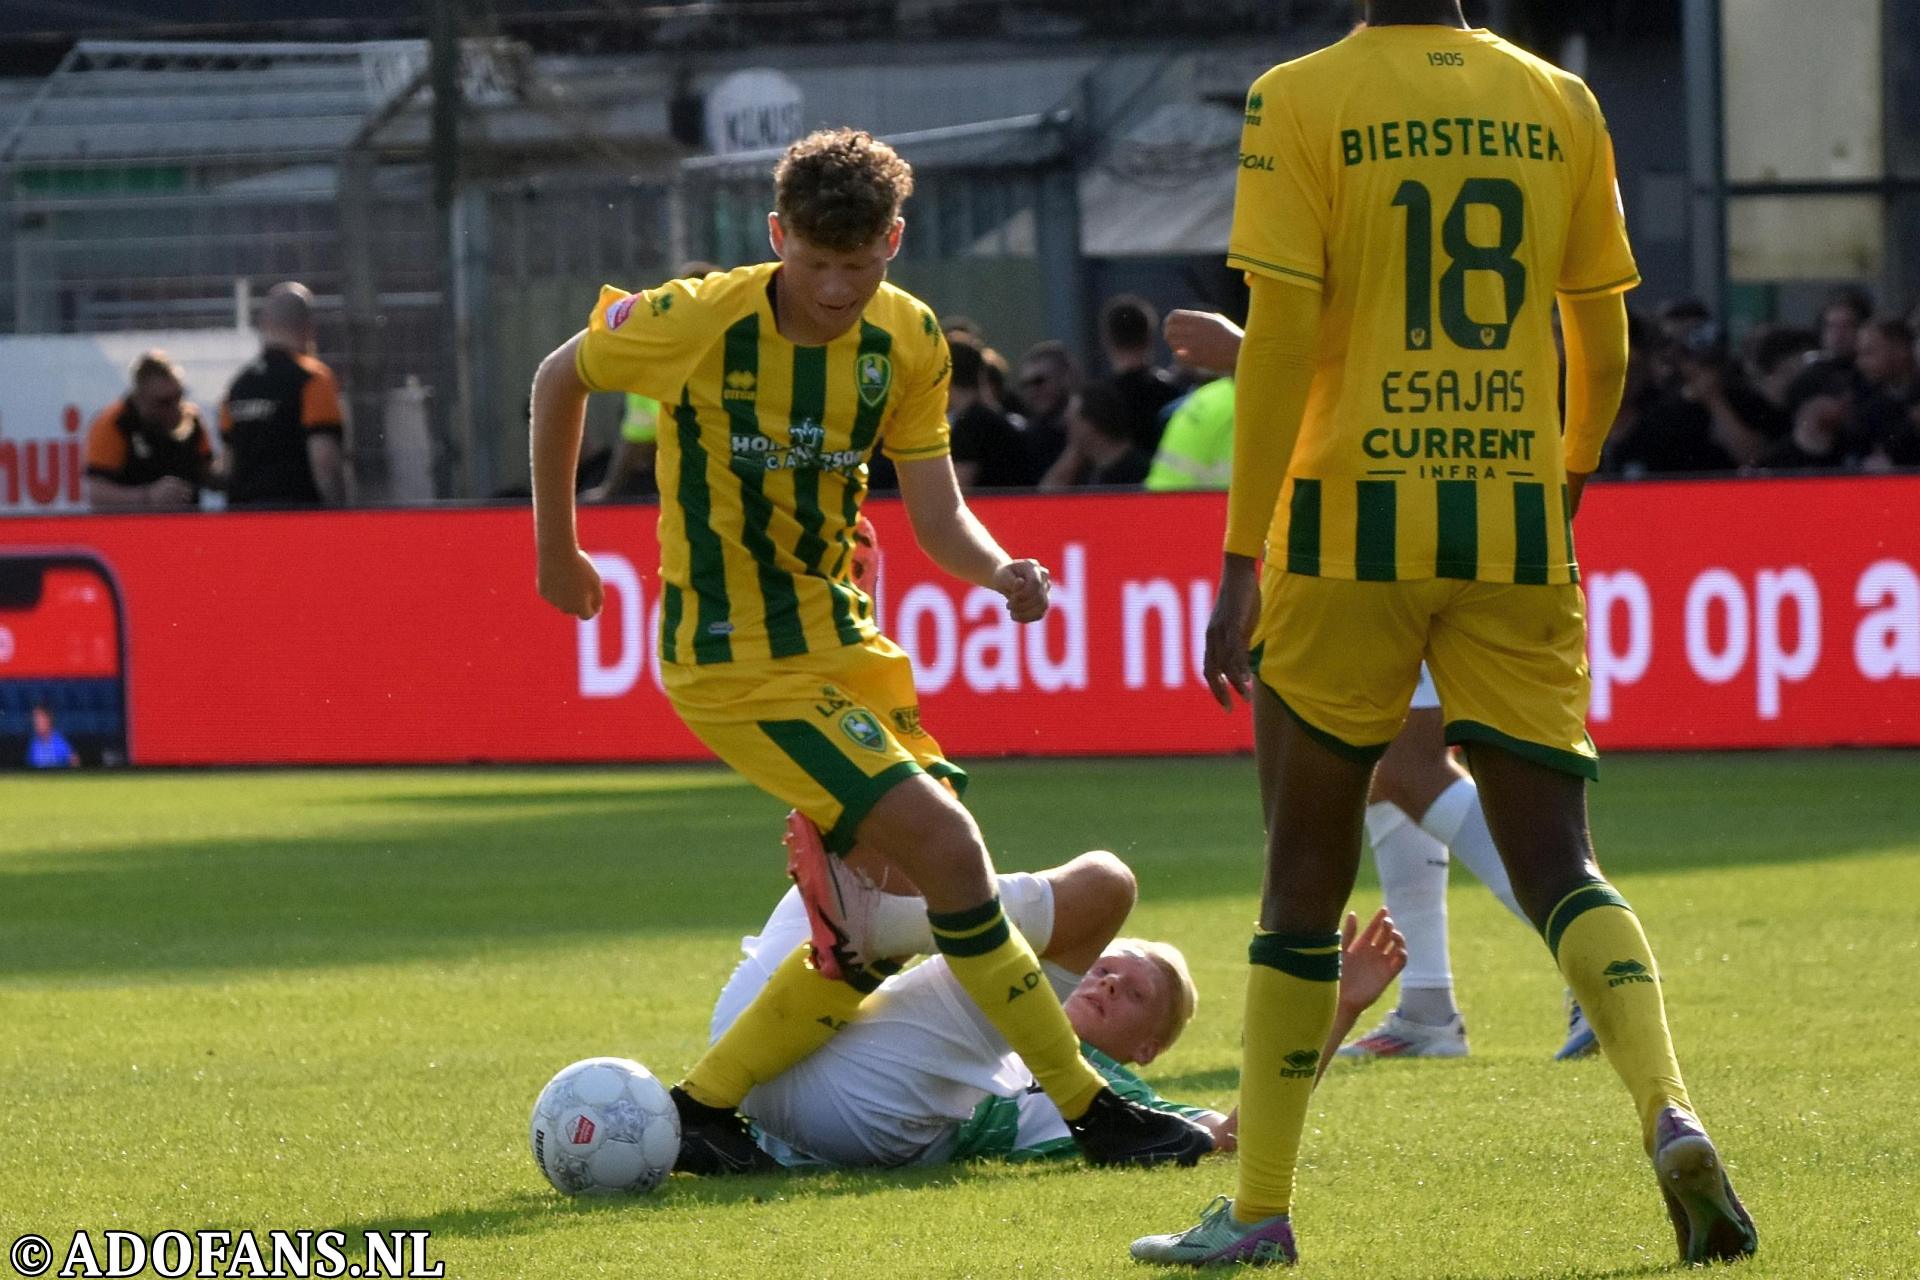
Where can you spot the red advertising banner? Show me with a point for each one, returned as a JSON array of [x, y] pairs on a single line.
[[1755, 613]]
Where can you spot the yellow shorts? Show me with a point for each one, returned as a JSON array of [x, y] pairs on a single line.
[[1509, 662], [828, 733]]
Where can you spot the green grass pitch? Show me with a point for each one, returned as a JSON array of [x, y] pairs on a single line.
[[326, 1000]]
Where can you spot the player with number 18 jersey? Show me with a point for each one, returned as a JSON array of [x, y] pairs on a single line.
[[1430, 447], [1413, 203]]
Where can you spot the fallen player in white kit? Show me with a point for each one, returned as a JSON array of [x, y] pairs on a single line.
[[919, 1077]]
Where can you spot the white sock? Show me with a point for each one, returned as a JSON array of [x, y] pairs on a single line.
[[1413, 879], [898, 926], [1456, 821]]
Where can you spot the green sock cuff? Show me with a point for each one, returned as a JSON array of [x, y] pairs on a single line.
[[1311, 957], [1595, 893], [967, 920], [973, 932]]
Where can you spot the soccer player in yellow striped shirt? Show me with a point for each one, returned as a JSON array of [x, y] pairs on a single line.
[[1411, 202], [779, 381]]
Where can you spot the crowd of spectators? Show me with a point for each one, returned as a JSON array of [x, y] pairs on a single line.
[[1053, 427], [1842, 394], [280, 422]]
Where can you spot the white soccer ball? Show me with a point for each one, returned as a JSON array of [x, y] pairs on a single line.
[[604, 1127]]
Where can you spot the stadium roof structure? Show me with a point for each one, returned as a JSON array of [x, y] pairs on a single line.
[[1165, 186], [1036, 138], [118, 101], [114, 103]]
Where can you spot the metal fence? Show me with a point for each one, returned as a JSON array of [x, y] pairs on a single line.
[[165, 185]]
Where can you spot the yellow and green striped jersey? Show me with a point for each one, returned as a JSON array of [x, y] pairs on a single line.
[[763, 452], [1437, 187]]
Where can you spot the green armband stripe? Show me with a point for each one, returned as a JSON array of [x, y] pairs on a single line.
[[1623, 283], [1258, 265], [1576, 904]]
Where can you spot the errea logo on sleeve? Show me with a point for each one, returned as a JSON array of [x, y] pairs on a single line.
[[1256, 103]]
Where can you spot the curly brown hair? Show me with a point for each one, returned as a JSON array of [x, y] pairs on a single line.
[[840, 188]]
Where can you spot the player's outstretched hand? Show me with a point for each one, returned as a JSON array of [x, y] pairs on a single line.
[[1224, 1128], [1025, 584], [1228, 668], [1370, 959], [571, 584], [1204, 339]]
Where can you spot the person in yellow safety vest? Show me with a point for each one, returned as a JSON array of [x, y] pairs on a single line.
[[633, 453], [630, 469], [1196, 450]]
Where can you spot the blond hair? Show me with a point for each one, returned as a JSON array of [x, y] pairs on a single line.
[[1183, 996]]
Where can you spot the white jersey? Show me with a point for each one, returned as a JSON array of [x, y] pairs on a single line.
[[919, 1076]]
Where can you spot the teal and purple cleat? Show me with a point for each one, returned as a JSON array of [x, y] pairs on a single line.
[[1218, 1240], [1709, 1222]]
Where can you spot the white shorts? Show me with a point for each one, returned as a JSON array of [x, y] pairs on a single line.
[[1425, 696], [893, 1087]]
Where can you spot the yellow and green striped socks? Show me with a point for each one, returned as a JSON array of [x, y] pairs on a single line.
[[999, 971], [1291, 990], [1603, 953]]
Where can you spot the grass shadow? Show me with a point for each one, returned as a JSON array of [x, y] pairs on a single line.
[[526, 862], [659, 863], [619, 792], [529, 1211], [1197, 1084], [1190, 828]]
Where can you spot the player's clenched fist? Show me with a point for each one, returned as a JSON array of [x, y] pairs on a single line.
[[1204, 339], [1227, 667], [1025, 584], [571, 584]]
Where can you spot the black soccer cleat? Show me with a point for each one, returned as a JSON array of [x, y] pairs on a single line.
[[715, 1141], [1115, 1131]]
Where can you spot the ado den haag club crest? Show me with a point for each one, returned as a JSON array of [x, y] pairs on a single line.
[[864, 730], [875, 374]]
